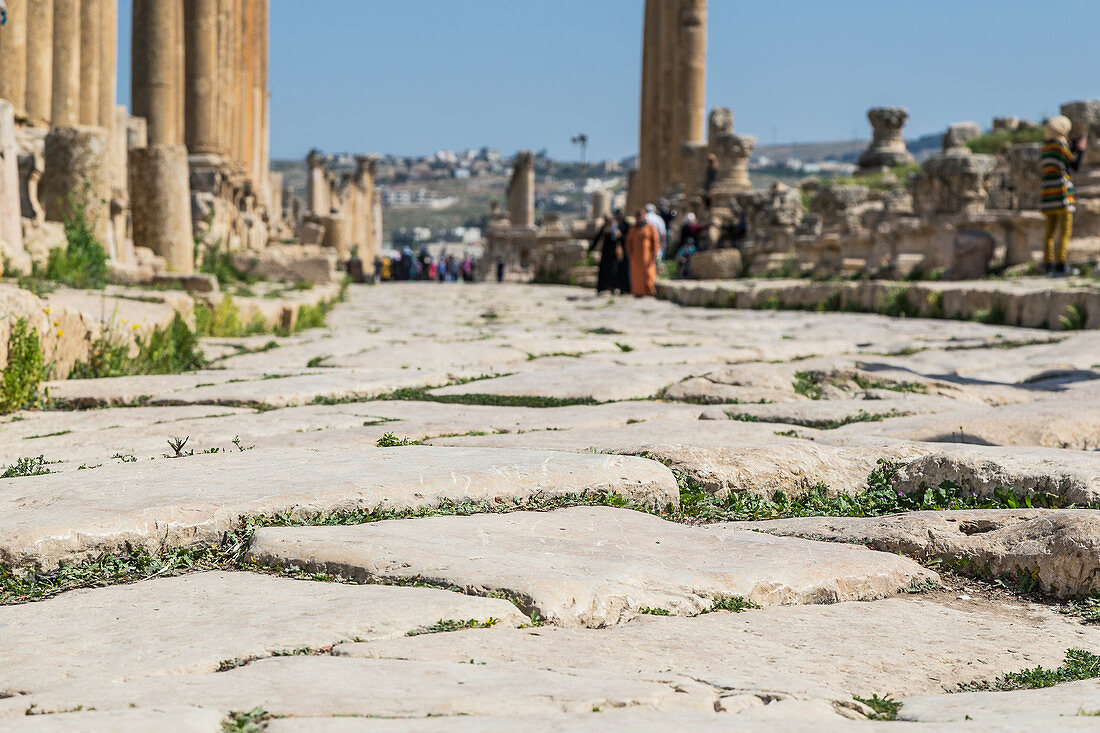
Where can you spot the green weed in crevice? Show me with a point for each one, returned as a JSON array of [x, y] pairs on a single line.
[[1078, 664], [82, 263], [1075, 318], [447, 625], [886, 708], [25, 368], [389, 440], [733, 604], [252, 721], [27, 467], [170, 350]]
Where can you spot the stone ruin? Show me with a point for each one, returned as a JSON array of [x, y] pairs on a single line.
[[345, 215], [190, 162], [962, 213]]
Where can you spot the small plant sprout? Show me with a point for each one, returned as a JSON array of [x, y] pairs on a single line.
[[177, 445]]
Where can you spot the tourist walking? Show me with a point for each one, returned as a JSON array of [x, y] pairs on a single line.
[[1057, 197], [642, 246], [609, 242], [652, 216]]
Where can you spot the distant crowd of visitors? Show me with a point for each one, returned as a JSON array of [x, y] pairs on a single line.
[[404, 265]]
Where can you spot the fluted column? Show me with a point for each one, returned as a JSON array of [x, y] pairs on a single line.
[[691, 88], [108, 62], [226, 79], [39, 60], [153, 69], [13, 57], [201, 17], [65, 105], [90, 38], [245, 84]]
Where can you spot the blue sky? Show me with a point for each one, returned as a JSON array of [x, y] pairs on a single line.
[[415, 76]]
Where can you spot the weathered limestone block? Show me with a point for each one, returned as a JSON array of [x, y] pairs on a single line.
[[337, 235], [80, 514], [837, 204], [971, 255], [76, 169], [955, 182], [592, 566], [1085, 117], [312, 234], [1060, 548], [959, 133], [11, 228], [1068, 706], [719, 264], [161, 204], [887, 145], [290, 264], [64, 333]]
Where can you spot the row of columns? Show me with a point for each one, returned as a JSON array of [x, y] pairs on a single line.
[[673, 99], [59, 61]]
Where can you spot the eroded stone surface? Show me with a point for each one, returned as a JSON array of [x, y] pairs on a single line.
[[593, 566], [192, 623], [1066, 704], [180, 502], [1060, 548], [184, 719]]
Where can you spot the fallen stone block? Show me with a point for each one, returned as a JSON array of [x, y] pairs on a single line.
[[593, 566]]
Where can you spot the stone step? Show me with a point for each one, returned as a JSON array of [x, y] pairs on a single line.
[[194, 500], [593, 566]]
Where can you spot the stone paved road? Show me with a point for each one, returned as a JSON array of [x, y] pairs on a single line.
[[543, 398]]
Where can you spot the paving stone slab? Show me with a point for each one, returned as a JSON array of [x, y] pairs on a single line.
[[188, 501], [593, 566], [179, 719], [1061, 548], [573, 379], [728, 455], [192, 623], [1058, 706], [915, 645], [314, 686], [831, 414]]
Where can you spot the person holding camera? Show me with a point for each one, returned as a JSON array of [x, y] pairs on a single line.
[[1057, 200]]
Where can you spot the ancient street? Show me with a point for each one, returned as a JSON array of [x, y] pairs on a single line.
[[531, 505]]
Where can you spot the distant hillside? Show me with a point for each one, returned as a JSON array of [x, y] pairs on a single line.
[[847, 151]]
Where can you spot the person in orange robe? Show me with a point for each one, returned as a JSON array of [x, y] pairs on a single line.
[[642, 244]]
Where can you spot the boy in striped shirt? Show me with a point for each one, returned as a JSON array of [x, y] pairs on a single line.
[[1056, 198]]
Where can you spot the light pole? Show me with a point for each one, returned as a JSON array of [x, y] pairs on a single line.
[[582, 140]]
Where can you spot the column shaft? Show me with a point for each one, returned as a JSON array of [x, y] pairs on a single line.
[[108, 62], [648, 132], [65, 105], [154, 74], [692, 86], [90, 39], [13, 57], [202, 76], [39, 60]]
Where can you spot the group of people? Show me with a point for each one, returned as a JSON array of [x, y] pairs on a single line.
[[404, 265], [630, 248]]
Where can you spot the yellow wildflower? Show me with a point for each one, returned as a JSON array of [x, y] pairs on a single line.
[[56, 324], [135, 327], [60, 333], [47, 311]]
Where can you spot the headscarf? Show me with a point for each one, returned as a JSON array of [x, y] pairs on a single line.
[[1058, 126]]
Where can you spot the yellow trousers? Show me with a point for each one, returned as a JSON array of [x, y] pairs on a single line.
[[1057, 219]]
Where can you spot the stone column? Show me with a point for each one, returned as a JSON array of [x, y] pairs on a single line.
[[521, 191], [77, 168], [261, 100], [39, 61], [668, 78], [11, 227], [691, 87], [226, 76], [202, 77], [91, 17], [649, 135], [13, 57], [316, 187], [108, 63], [887, 145], [154, 73], [376, 222], [160, 198], [65, 104], [245, 83]]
